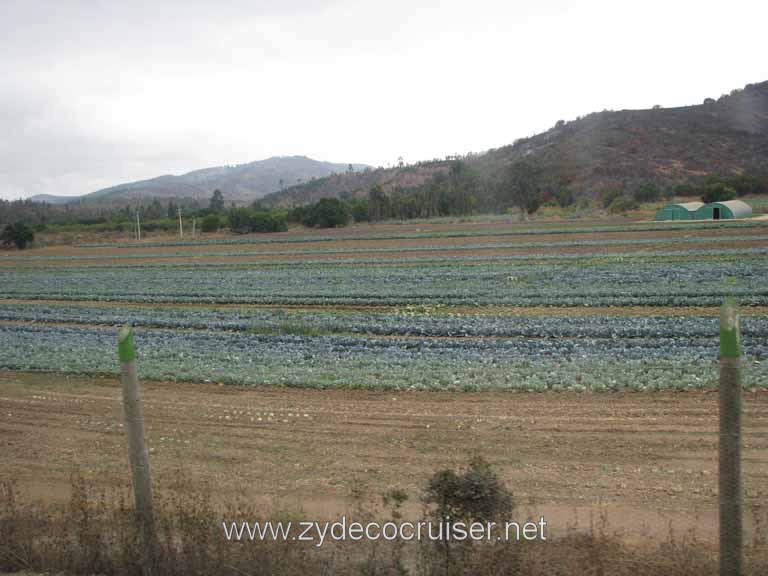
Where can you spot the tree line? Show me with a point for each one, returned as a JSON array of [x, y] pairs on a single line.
[[459, 190]]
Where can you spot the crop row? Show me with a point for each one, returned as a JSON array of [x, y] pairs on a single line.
[[333, 361], [581, 259], [615, 283], [401, 249], [513, 230], [407, 323]]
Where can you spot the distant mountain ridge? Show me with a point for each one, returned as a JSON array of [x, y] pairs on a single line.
[[607, 150], [243, 182]]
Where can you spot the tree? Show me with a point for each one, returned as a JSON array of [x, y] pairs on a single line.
[[211, 223], [524, 185], [718, 192], [742, 184], [239, 220], [216, 203], [19, 234], [244, 220], [328, 213], [359, 209], [377, 203]]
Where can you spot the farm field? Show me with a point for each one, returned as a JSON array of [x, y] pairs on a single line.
[[644, 459], [579, 358], [454, 307]]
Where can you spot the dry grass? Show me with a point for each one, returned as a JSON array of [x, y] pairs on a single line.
[[93, 533]]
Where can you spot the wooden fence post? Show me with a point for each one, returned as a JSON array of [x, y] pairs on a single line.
[[137, 451], [730, 441]]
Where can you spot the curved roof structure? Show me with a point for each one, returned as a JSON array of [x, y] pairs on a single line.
[[725, 210], [682, 211], [738, 208], [690, 206]]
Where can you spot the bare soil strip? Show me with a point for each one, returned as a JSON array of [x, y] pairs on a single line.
[[466, 250], [535, 311], [342, 240], [646, 458]]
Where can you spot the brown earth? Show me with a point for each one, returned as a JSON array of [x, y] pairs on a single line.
[[535, 311], [646, 459], [344, 238], [349, 239], [233, 257]]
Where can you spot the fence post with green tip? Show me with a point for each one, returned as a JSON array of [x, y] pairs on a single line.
[[137, 451], [730, 441]]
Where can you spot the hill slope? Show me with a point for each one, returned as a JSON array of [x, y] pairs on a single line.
[[604, 150], [666, 146], [242, 182]]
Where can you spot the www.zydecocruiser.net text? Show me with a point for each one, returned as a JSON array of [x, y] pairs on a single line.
[[343, 530]]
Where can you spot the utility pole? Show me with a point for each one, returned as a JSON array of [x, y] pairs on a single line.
[[138, 225], [194, 226], [181, 227]]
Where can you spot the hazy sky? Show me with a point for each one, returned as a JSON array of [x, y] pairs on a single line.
[[98, 93]]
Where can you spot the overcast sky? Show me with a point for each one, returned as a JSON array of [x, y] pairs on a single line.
[[98, 93]]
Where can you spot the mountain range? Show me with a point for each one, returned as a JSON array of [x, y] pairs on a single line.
[[243, 182], [600, 151]]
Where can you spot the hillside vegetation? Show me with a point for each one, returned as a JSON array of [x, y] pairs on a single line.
[[610, 160], [241, 182], [596, 154]]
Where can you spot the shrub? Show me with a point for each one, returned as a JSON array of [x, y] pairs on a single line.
[[609, 196], [583, 204], [239, 220], [94, 532], [18, 234], [647, 192], [564, 197], [211, 223], [243, 220], [328, 213], [718, 192], [298, 213], [359, 209], [685, 190], [475, 494], [745, 184], [621, 204], [164, 224], [268, 222]]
